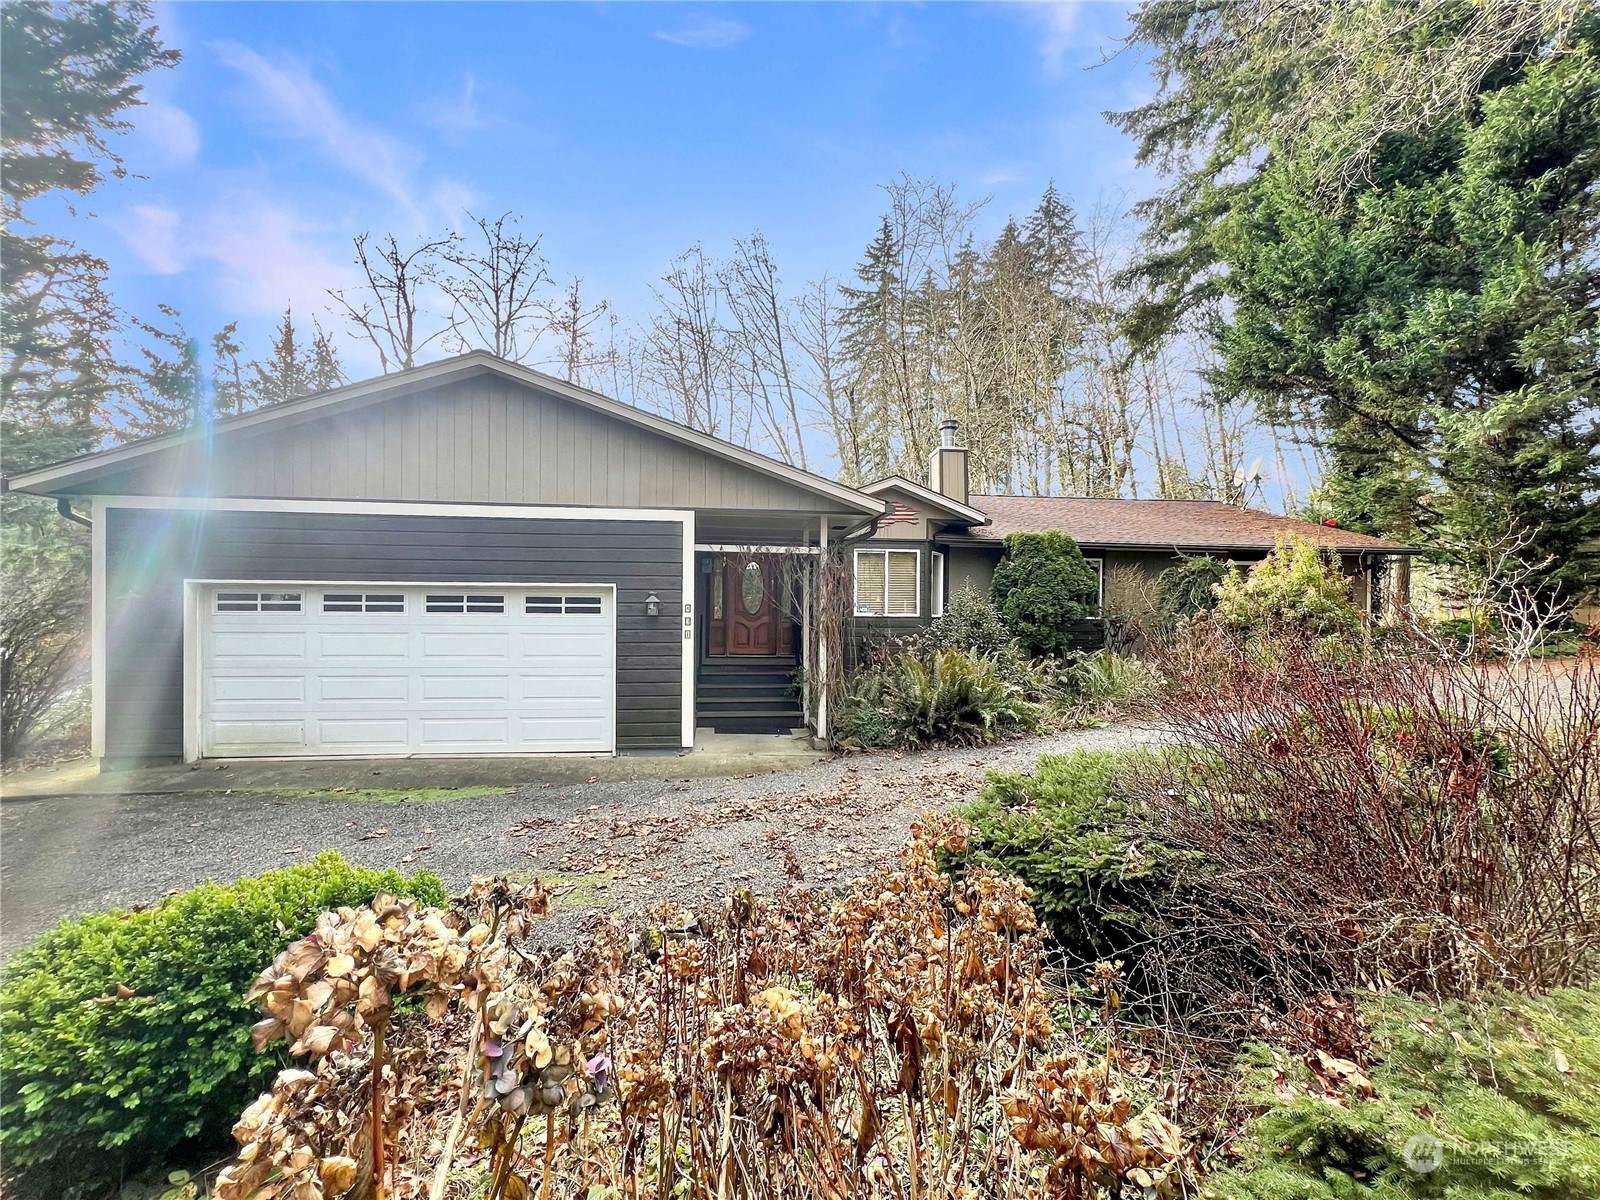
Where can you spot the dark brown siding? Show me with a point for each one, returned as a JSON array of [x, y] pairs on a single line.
[[150, 553]]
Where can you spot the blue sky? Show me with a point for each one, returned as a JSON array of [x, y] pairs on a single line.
[[624, 132]]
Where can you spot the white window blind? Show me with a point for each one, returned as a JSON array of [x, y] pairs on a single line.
[[888, 583], [936, 584]]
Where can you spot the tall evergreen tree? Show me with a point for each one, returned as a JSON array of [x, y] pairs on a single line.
[[293, 368], [871, 325], [227, 373], [1419, 273], [68, 74], [168, 392]]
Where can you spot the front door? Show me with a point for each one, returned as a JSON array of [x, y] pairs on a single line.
[[747, 587]]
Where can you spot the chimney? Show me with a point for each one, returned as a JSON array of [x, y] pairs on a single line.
[[947, 470]]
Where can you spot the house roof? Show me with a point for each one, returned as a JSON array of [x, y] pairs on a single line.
[[1189, 525], [61, 478], [927, 498]]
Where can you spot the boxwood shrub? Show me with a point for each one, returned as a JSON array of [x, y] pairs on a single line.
[[125, 1034]]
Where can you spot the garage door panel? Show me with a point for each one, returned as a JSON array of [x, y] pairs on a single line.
[[542, 734], [364, 736], [226, 689], [368, 689], [465, 733], [466, 687], [262, 736], [564, 686], [395, 646], [255, 646], [494, 647], [381, 669]]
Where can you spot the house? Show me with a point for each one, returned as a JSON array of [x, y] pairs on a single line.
[[472, 557]]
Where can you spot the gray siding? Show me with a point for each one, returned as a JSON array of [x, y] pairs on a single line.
[[972, 566], [484, 439], [150, 553]]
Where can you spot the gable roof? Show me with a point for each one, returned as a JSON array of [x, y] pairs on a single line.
[[80, 472], [1190, 525], [928, 498]]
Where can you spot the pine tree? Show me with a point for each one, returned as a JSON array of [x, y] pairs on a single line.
[[324, 371], [872, 324], [1054, 244], [168, 392], [227, 374], [286, 373], [67, 76]]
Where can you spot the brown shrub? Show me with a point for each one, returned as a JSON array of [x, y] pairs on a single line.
[[896, 1042], [1387, 811]]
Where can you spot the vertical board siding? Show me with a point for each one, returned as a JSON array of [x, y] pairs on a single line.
[[480, 440], [149, 553]]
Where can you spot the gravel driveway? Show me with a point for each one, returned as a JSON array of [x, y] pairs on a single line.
[[617, 846]]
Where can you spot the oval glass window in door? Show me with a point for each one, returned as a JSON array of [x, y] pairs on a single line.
[[753, 588]]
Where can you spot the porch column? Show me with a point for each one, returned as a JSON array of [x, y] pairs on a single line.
[[807, 574], [822, 656]]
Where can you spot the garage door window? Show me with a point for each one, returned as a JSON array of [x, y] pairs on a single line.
[[249, 602], [359, 602], [456, 602], [570, 605]]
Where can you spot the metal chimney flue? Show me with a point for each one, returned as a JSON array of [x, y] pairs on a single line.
[[947, 469]]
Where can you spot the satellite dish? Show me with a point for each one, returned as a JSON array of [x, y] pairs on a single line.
[[1238, 477], [1255, 475]]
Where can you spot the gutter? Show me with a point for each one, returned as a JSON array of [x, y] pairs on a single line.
[[1166, 548], [64, 507]]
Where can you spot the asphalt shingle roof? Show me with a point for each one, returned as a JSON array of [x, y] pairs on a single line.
[[1164, 524]]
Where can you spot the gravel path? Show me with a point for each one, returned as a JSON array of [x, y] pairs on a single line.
[[617, 846]]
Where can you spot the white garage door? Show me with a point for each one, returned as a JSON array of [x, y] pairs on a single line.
[[290, 669]]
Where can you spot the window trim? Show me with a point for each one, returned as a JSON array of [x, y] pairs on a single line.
[[936, 589], [244, 601], [363, 603], [442, 604], [855, 593], [1099, 565]]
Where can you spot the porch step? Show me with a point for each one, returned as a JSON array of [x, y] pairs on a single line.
[[748, 697], [736, 722]]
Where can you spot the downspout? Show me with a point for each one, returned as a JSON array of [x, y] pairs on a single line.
[[64, 507]]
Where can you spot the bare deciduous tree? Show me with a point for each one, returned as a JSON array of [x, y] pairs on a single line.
[[570, 322], [385, 310], [764, 339], [492, 278]]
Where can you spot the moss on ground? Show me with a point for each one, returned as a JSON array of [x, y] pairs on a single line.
[[568, 891], [426, 795]]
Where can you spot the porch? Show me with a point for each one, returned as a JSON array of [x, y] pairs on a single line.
[[754, 639]]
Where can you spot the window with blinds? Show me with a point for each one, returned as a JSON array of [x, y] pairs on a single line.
[[888, 583]]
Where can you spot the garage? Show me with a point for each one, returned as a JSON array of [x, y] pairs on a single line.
[[324, 669]]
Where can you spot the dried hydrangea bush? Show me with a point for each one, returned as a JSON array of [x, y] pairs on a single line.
[[895, 1041]]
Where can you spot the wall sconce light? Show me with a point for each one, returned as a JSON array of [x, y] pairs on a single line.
[[652, 605]]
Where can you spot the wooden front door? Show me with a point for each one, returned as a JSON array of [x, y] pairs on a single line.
[[748, 588]]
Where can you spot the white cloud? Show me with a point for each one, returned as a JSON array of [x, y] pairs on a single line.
[[461, 115], [171, 130], [1057, 21], [257, 252], [454, 200], [266, 256], [705, 33], [151, 232], [287, 89]]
